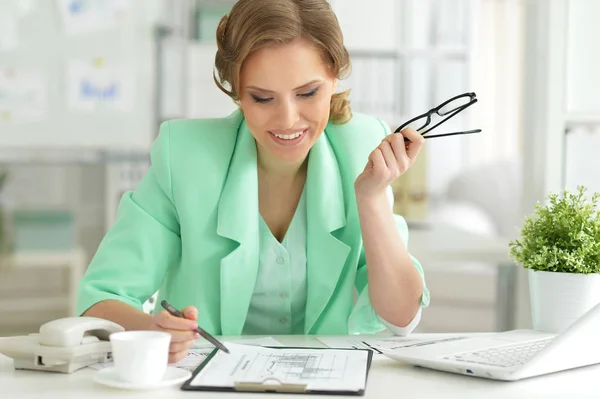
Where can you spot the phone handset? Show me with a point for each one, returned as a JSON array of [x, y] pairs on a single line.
[[62, 345]]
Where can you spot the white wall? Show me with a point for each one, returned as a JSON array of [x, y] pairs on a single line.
[[203, 98], [368, 25], [582, 162], [582, 103], [583, 58], [498, 81], [561, 92]]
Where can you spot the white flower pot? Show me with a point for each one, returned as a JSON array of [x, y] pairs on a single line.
[[559, 299]]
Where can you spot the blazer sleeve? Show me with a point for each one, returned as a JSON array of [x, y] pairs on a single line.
[[133, 257], [364, 319]]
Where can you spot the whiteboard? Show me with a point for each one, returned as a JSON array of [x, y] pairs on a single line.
[[49, 56]]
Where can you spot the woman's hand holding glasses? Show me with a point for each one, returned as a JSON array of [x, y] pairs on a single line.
[[399, 151], [392, 158]]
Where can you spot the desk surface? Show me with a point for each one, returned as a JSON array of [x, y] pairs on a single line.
[[387, 379]]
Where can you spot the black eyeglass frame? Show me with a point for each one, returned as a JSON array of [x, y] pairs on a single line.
[[436, 110]]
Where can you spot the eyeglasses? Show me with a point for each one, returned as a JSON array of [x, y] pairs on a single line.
[[446, 110]]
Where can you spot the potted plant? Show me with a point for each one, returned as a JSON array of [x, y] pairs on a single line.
[[560, 245]]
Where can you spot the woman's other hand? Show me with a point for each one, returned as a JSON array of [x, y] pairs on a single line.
[[183, 331], [392, 158]]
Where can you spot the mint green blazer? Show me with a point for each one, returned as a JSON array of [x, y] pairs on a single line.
[[190, 228]]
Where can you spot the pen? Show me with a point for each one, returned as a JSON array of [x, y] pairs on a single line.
[[200, 331]]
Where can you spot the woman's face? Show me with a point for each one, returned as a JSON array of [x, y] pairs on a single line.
[[285, 92]]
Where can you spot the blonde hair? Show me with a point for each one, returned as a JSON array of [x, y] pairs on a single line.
[[252, 24]]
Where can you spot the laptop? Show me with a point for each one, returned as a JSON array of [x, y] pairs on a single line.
[[511, 355]]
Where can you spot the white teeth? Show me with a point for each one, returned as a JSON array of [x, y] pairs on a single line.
[[289, 136]]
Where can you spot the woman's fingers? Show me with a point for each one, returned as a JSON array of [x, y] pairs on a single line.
[[169, 322], [176, 347], [388, 156], [182, 330], [182, 336], [398, 145], [377, 162], [177, 356], [190, 313], [413, 146]]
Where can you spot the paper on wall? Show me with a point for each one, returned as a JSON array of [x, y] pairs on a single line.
[[84, 16], [93, 85], [23, 95]]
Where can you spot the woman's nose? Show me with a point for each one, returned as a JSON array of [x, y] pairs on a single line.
[[288, 114]]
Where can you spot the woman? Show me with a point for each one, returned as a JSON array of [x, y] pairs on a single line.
[[263, 222]]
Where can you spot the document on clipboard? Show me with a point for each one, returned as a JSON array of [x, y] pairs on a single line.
[[282, 369]]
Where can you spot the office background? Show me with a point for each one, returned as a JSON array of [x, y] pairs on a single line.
[[84, 86]]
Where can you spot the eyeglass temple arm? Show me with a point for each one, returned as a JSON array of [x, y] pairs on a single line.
[[453, 133], [448, 134]]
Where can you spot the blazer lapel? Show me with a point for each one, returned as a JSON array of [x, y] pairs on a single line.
[[326, 213], [238, 220]]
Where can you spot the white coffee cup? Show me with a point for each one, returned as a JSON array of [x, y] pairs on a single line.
[[140, 357]]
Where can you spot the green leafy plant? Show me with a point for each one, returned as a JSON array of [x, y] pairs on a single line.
[[562, 236]]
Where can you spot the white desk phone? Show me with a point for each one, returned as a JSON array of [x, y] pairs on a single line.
[[63, 345]]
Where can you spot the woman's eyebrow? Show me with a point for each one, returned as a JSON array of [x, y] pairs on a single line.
[[312, 82]]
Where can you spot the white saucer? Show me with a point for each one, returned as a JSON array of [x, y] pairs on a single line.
[[172, 376]]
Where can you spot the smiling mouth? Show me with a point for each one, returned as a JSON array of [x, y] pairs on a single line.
[[288, 138]]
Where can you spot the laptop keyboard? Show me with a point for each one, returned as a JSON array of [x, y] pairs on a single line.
[[506, 356]]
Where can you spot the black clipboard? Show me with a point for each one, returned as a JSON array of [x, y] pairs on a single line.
[[281, 388]]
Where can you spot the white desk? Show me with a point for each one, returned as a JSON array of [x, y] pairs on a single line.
[[387, 379], [438, 243]]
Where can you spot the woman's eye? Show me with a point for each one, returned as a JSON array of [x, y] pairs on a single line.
[[310, 93], [260, 99]]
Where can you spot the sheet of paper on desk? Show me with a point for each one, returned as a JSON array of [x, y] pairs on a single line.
[[201, 350], [193, 359], [318, 369], [384, 343]]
